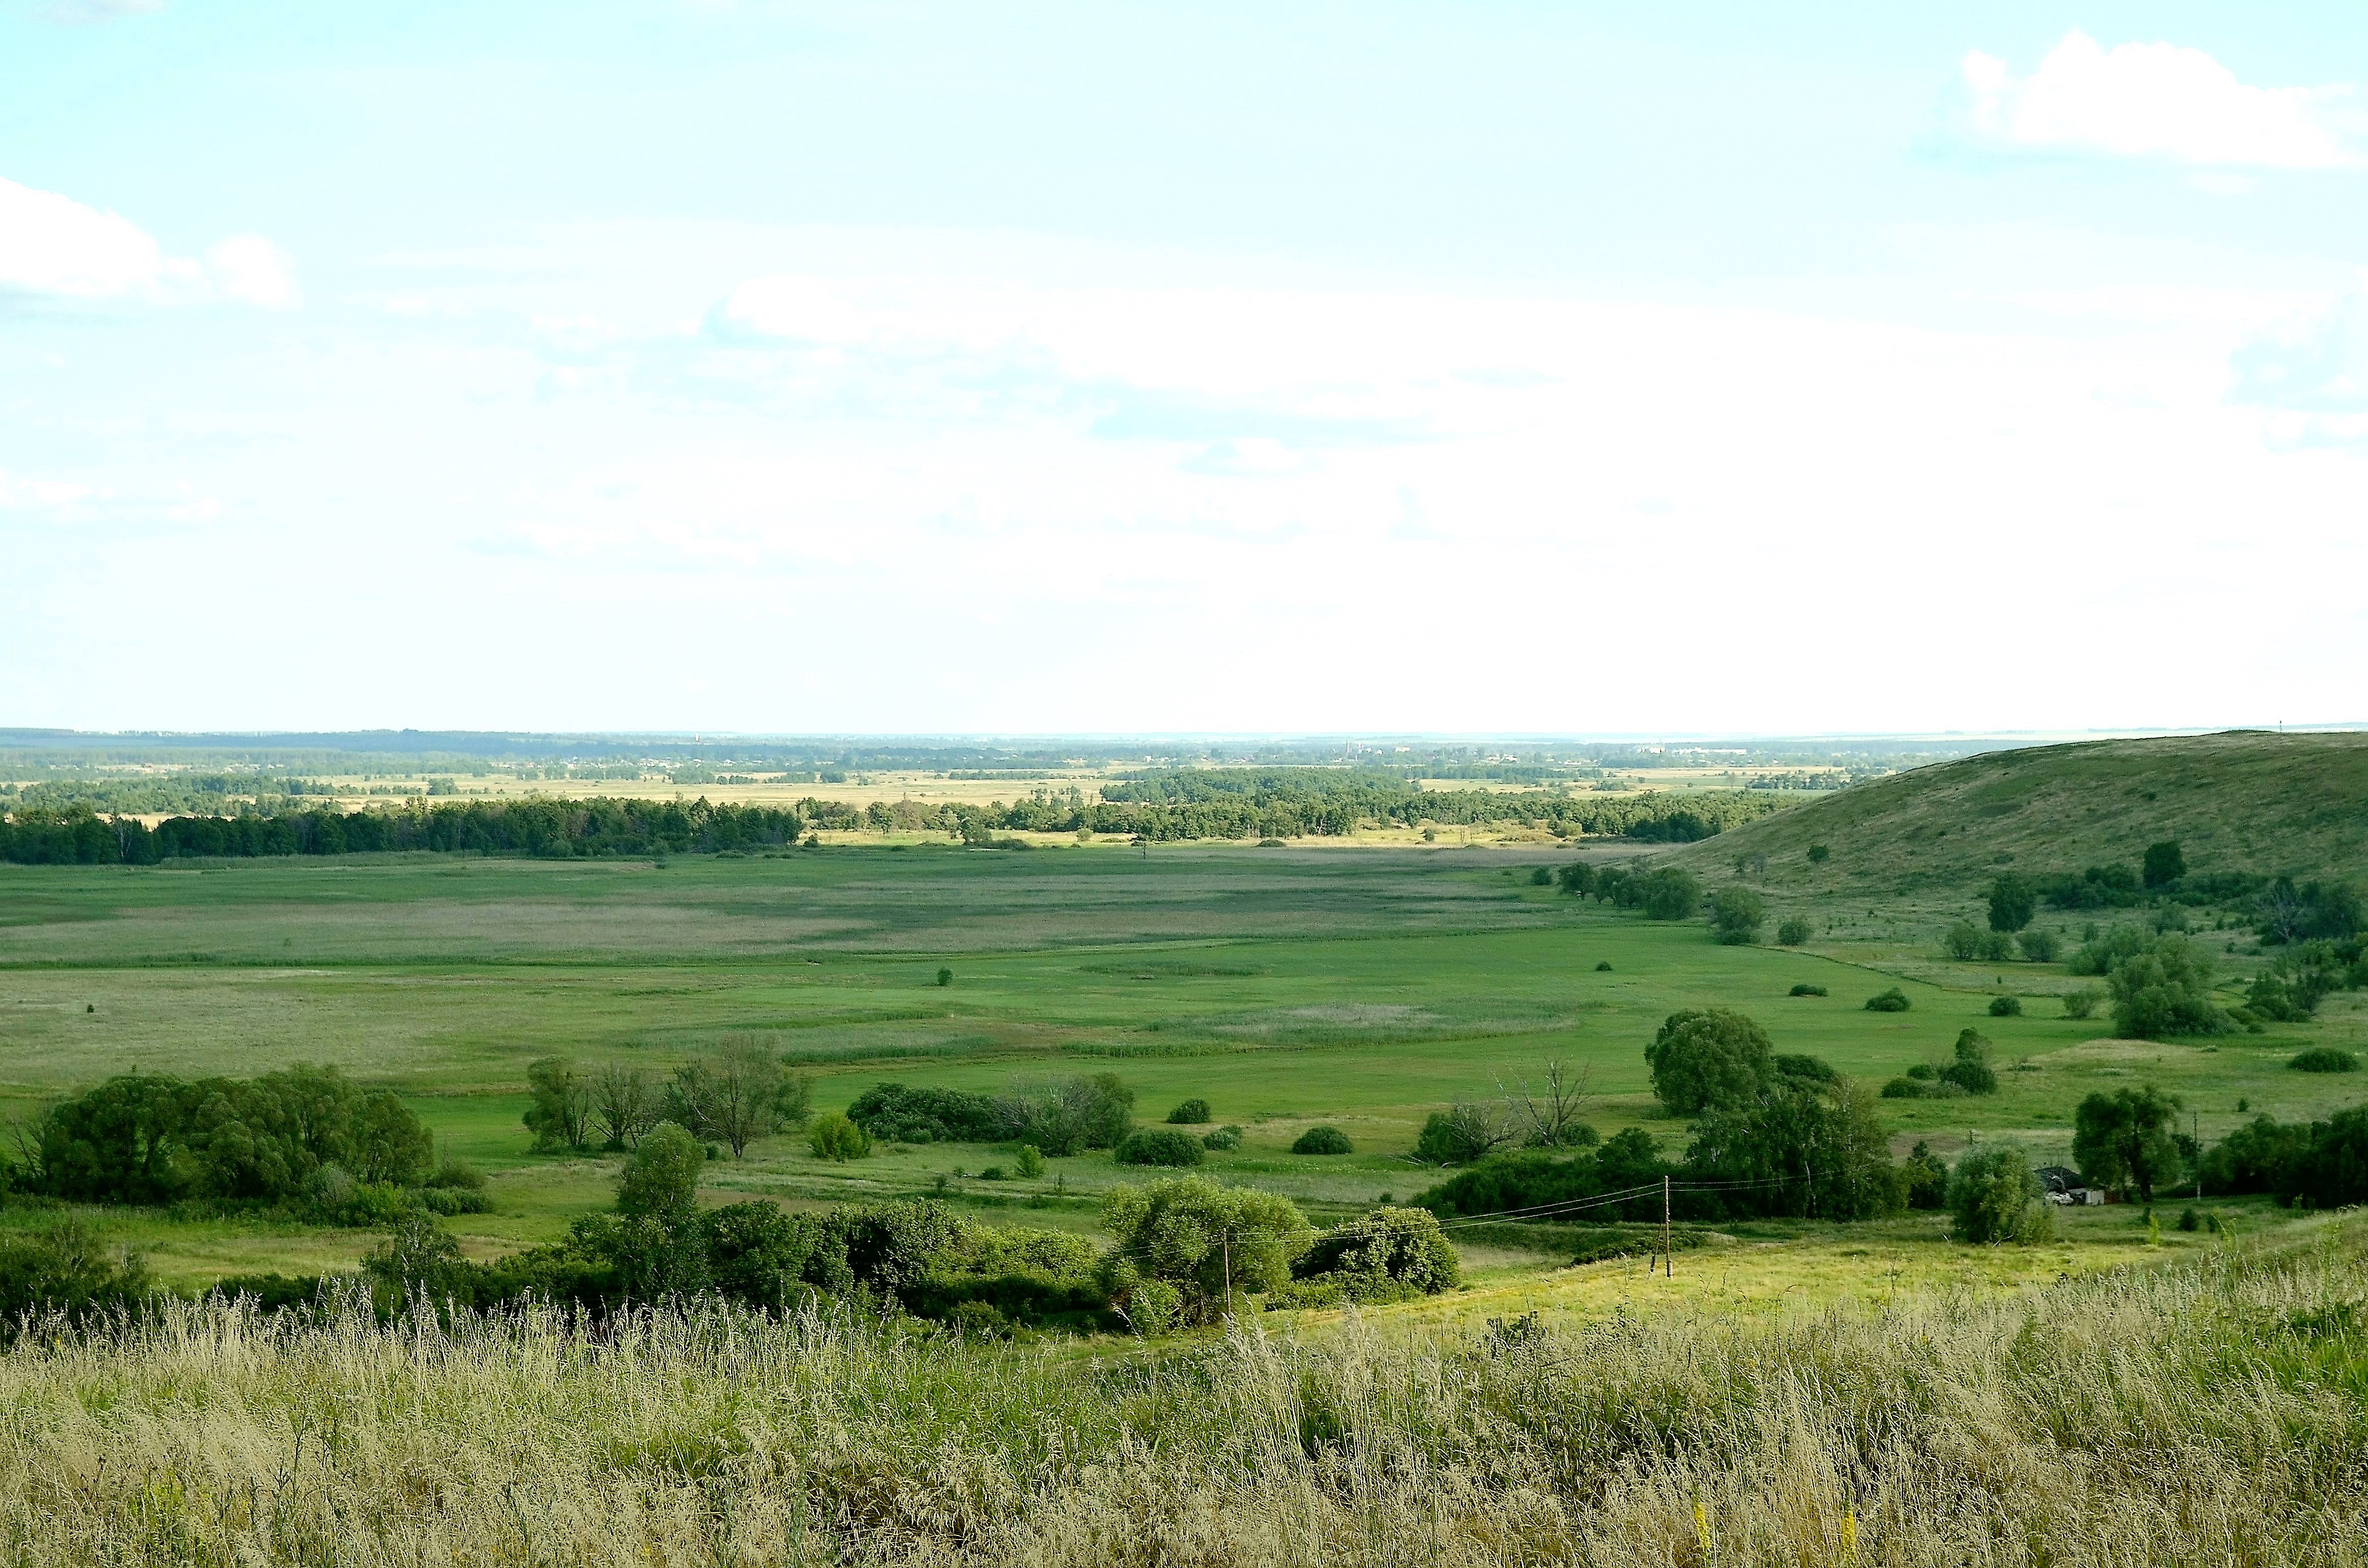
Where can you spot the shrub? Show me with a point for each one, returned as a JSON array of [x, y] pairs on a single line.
[[1970, 1071], [1159, 1146], [1817, 853], [1670, 893], [1996, 947], [661, 1177], [64, 1267], [1191, 1113], [2006, 1006], [2080, 1002], [1927, 1176], [1737, 914], [1224, 1138], [1198, 1238], [1603, 966], [1892, 1001], [1994, 1197], [945, 977], [1323, 1140], [456, 1174], [834, 1137], [1382, 1254], [2324, 1058], [1805, 1069], [1963, 941], [2037, 946], [1542, 877], [1029, 1163], [1707, 1056], [1902, 1090], [1805, 989], [1792, 930], [1467, 1131], [1061, 1116], [2164, 865], [2163, 991], [907, 1113]]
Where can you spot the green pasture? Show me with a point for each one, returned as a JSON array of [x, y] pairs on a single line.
[[1365, 989]]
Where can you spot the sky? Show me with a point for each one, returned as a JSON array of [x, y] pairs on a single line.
[[1480, 367]]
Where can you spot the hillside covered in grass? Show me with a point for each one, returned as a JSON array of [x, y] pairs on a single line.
[[2241, 800]]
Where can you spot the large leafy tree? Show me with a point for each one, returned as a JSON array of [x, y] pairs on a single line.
[[1817, 1151], [1703, 1057], [2124, 1142], [2014, 900]]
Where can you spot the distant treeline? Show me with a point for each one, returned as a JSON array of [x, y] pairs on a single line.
[[1234, 803], [533, 828], [1277, 809]]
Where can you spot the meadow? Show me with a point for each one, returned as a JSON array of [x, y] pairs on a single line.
[[2212, 1409], [1289, 987]]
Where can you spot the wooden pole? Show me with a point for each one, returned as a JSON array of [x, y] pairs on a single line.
[[1669, 1259]]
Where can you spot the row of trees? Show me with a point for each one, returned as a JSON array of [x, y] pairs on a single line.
[[1054, 1115], [733, 1095], [1182, 1250]]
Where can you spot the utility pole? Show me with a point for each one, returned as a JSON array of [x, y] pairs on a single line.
[[1669, 1259], [2195, 1136]]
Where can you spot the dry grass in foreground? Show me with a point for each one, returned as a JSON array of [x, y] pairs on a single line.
[[2212, 1412]]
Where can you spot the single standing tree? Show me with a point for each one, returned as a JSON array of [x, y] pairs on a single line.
[[2124, 1142], [741, 1094], [1737, 914], [560, 1116], [2014, 900], [1993, 1196], [1709, 1056], [661, 1180], [624, 1104], [1556, 1116]]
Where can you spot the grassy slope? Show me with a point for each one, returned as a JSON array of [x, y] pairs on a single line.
[[2239, 800]]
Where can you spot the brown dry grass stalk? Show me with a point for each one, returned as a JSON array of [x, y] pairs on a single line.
[[2213, 1413]]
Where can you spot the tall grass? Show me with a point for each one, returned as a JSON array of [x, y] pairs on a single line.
[[2213, 1412]]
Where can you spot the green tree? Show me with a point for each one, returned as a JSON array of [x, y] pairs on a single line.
[[833, 1136], [1927, 1178], [2014, 900], [2165, 864], [1158, 1146], [2163, 991], [2124, 1142], [624, 1104], [1670, 893], [1793, 930], [1203, 1241], [1736, 914], [2039, 946], [1994, 1197], [561, 1113], [1817, 1151], [1702, 1057], [1963, 941], [661, 1176], [1970, 1069], [1381, 1253], [1061, 1116], [739, 1094]]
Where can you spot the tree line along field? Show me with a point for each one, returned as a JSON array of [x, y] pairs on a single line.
[[1287, 988]]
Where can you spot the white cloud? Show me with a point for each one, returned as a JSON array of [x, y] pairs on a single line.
[[51, 245], [18, 493], [2153, 100], [250, 268]]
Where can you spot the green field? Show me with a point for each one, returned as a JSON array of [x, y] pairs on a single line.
[[1363, 988]]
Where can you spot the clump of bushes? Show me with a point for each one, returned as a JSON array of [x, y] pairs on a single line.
[[2324, 1058], [1736, 914], [2080, 1002], [1994, 1197], [1967, 1072], [2006, 1006], [1323, 1140], [1160, 1146], [2037, 946], [1190, 1113], [1030, 1163], [910, 1113], [279, 1140], [1603, 966], [1792, 930], [835, 1137], [1387, 1255], [1805, 989], [1892, 1001], [64, 1268], [1222, 1139]]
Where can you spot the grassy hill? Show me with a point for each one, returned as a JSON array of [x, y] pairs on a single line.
[[2242, 799]]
